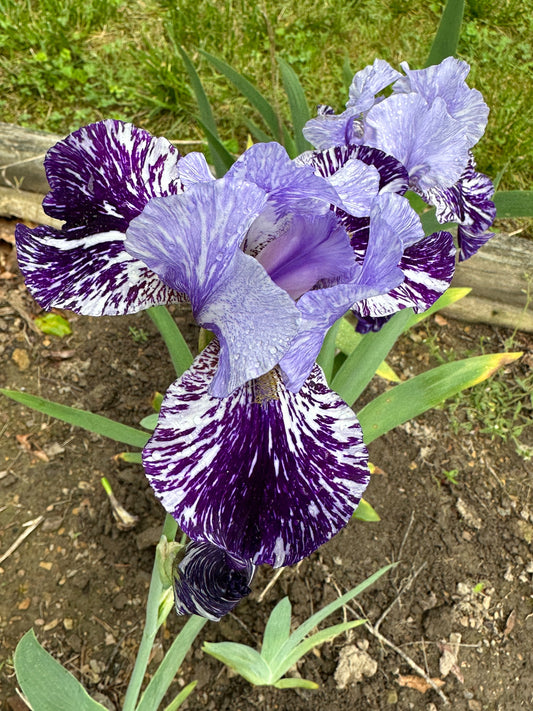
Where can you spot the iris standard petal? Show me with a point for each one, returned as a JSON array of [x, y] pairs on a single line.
[[268, 166], [425, 138], [192, 242], [209, 581], [447, 81], [91, 275], [368, 82], [102, 176], [331, 129], [308, 249], [390, 224], [265, 474]]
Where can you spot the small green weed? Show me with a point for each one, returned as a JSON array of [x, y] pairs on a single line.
[[139, 335]]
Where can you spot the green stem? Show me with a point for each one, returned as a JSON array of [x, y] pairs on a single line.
[[150, 627]]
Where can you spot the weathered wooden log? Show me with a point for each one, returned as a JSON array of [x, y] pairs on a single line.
[[500, 274], [21, 157]]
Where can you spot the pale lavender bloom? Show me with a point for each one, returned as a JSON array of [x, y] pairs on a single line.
[[428, 124]]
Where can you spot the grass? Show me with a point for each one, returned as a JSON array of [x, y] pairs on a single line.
[[64, 63]]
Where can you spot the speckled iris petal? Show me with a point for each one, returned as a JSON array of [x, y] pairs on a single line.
[[209, 581], [469, 203], [428, 267], [192, 242], [368, 82], [377, 274], [102, 176], [393, 177], [447, 81], [330, 129], [424, 138], [91, 275], [265, 474]]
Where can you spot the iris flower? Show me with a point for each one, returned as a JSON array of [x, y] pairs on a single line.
[[429, 123], [257, 459]]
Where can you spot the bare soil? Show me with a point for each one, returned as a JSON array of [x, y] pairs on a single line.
[[459, 603]]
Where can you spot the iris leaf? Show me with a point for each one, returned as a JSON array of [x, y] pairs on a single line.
[[167, 670], [180, 698], [150, 421], [81, 418], [177, 347], [206, 114], [243, 659], [277, 630], [297, 103], [295, 683], [45, 683], [326, 357], [514, 203], [248, 90], [357, 370], [416, 395], [366, 512], [449, 297], [447, 37], [258, 133]]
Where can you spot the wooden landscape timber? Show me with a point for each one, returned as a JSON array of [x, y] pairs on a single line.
[[500, 274]]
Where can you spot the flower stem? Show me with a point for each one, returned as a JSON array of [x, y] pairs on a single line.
[[151, 626]]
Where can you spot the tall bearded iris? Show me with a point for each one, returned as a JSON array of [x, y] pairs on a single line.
[[254, 456], [429, 123]]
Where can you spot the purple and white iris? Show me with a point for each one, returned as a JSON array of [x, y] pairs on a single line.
[[430, 122], [257, 459]]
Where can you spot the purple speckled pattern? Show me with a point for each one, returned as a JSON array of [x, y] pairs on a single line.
[[469, 203], [428, 267], [91, 275], [192, 242], [209, 581], [264, 474], [103, 175], [393, 177]]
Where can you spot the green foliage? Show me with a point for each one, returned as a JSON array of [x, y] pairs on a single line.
[[53, 324], [64, 63], [45, 683], [281, 649]]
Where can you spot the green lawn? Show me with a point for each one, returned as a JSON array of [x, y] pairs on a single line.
[[64, 63]]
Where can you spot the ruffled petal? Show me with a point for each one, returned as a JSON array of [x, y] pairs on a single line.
[[447, 81], [192, 242], [424, 138], [469, 203], [428, 267], [209, 581], [268, 166], [193, 168], [330, 129], [308, 249], [91, 275], [393, 177], [368, 82], [264, 474], [390, 224], [102, 176]]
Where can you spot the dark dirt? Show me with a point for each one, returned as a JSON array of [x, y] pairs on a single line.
[[464, 549]]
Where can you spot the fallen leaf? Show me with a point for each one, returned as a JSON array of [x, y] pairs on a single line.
[[24, 604], [46, 565], [440, 320], [510, 624], [418, 683], [50, 625]]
